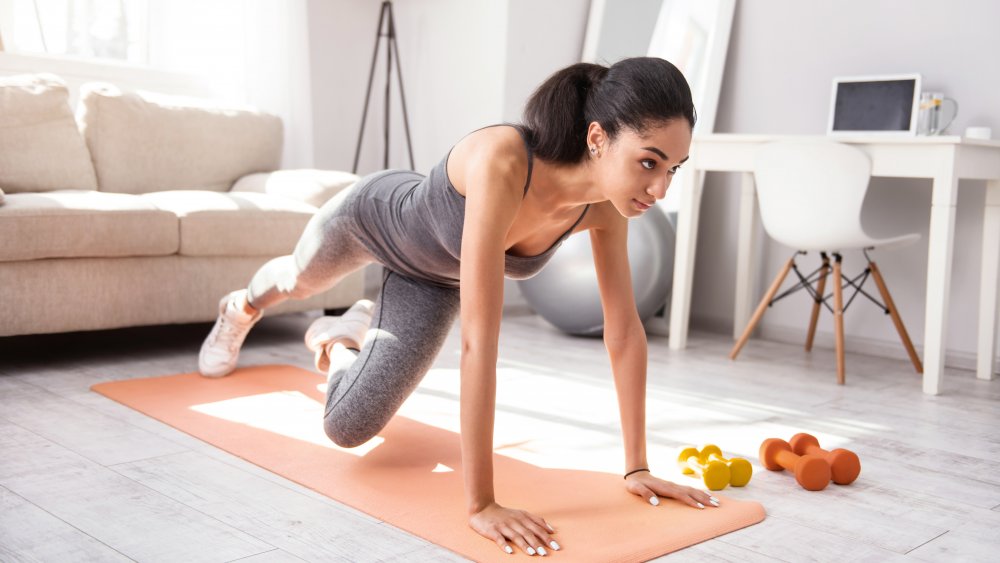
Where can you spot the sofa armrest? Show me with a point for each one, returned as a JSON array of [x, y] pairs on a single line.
[[314, 187]]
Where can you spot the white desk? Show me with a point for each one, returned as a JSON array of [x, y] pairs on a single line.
[[945, 160]]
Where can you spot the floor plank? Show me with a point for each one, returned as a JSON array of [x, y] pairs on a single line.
[[114, 510], [28, 533]]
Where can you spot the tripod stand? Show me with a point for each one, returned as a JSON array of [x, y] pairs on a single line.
[[385, 17]]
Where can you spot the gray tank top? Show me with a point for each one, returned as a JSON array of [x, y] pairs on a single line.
[[413, 224]]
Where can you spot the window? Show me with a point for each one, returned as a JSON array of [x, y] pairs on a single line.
[[101, 29]]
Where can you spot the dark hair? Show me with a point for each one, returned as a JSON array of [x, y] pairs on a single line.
[[634, 93]]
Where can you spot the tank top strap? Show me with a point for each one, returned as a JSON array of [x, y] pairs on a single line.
[[579, 219], [531, 154]]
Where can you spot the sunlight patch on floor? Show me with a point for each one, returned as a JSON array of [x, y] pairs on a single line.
[[288, 413]]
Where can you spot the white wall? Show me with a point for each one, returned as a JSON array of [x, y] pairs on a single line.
[[782, 56], [465, 64]]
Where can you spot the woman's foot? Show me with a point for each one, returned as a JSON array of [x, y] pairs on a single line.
[[348, 329], [221, 348]]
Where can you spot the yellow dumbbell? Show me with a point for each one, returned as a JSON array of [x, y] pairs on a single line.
[[714, 473], [740, 469]]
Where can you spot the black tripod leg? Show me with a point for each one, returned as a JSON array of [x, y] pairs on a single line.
[[402, 95], [371, 78]]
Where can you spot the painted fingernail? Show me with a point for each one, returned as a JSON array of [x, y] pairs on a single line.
[[713, 498], [654, 501], [554, 545], [700, 505], [508, 549], [542, 552], [714, 502], [531, 551]]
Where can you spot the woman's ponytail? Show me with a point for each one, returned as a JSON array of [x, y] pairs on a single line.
[[555, 114]]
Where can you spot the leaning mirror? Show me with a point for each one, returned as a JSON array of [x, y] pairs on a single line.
[[692, 34]]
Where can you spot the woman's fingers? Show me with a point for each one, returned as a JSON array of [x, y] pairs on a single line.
[[539, 521], [502, 543], [533, 534], [688, 495], [518, 539], [645, 492], [508, 528]]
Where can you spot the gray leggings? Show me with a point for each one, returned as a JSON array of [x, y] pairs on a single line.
[[411, 321]]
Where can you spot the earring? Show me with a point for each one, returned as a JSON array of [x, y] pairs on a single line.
[[593, 150]]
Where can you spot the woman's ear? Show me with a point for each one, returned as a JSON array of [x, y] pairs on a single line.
[[597, 139]]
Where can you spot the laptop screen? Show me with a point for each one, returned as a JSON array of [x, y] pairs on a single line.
[[872, 104]]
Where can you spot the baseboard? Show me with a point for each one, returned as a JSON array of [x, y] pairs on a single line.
[[869, 346]]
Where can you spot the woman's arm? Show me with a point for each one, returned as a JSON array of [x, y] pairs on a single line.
[[625, 339], [493, 171], [624, 336]]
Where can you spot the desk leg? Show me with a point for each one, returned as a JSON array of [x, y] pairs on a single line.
[[939, 259], [745, 246], [988, 288], [687, 237]]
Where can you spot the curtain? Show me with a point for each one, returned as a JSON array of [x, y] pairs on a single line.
[[253, 52]]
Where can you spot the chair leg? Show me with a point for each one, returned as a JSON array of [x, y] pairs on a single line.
[[896, 320], [820, 288], [838, 317], [759, 313]]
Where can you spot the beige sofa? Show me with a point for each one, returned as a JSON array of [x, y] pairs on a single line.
[[141, 210]]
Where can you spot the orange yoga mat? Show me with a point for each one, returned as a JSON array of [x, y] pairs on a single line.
[[411, 475]]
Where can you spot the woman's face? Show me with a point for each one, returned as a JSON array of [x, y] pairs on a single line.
[[635, 169]]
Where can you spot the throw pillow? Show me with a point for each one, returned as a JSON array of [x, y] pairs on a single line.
[[41, 148]]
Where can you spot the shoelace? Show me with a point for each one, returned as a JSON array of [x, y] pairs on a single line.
[[228, 330]]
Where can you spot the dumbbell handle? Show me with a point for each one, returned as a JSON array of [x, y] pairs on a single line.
[[813, 449], [787, 459]]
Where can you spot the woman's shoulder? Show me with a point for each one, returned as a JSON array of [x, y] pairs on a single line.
[[499, 152]]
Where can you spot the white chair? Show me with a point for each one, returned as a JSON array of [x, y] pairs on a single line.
[[810, 195]]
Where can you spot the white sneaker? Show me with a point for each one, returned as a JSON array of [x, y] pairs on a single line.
[[349, 329], [221, 348]]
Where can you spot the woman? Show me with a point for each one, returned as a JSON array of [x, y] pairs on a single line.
[[598, 146]]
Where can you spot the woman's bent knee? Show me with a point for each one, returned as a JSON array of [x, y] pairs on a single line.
[[345, 434]]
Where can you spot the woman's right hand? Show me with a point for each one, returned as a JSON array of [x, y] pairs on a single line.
[[507, 525]]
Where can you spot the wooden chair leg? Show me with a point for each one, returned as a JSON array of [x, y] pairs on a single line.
[[838, 318], [759, 313], [896, 320], [820, 288]]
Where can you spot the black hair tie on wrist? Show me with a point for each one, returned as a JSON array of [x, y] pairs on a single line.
[[635, 471]]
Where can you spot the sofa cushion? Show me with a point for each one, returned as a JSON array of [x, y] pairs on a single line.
[[41, 148], [142, 142], [80, 223], [234, 224], [314, 187]]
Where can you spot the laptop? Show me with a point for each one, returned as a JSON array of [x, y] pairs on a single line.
[[875, 105]]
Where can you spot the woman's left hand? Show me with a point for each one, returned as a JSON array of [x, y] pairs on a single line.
[[651, 488]]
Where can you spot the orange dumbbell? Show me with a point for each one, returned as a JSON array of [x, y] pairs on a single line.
[[844, 464], [740, 469], [811, 471]]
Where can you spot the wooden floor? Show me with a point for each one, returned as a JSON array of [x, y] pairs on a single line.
[[83, 478]]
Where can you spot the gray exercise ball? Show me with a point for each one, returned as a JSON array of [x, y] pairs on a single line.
[[565, 292]]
